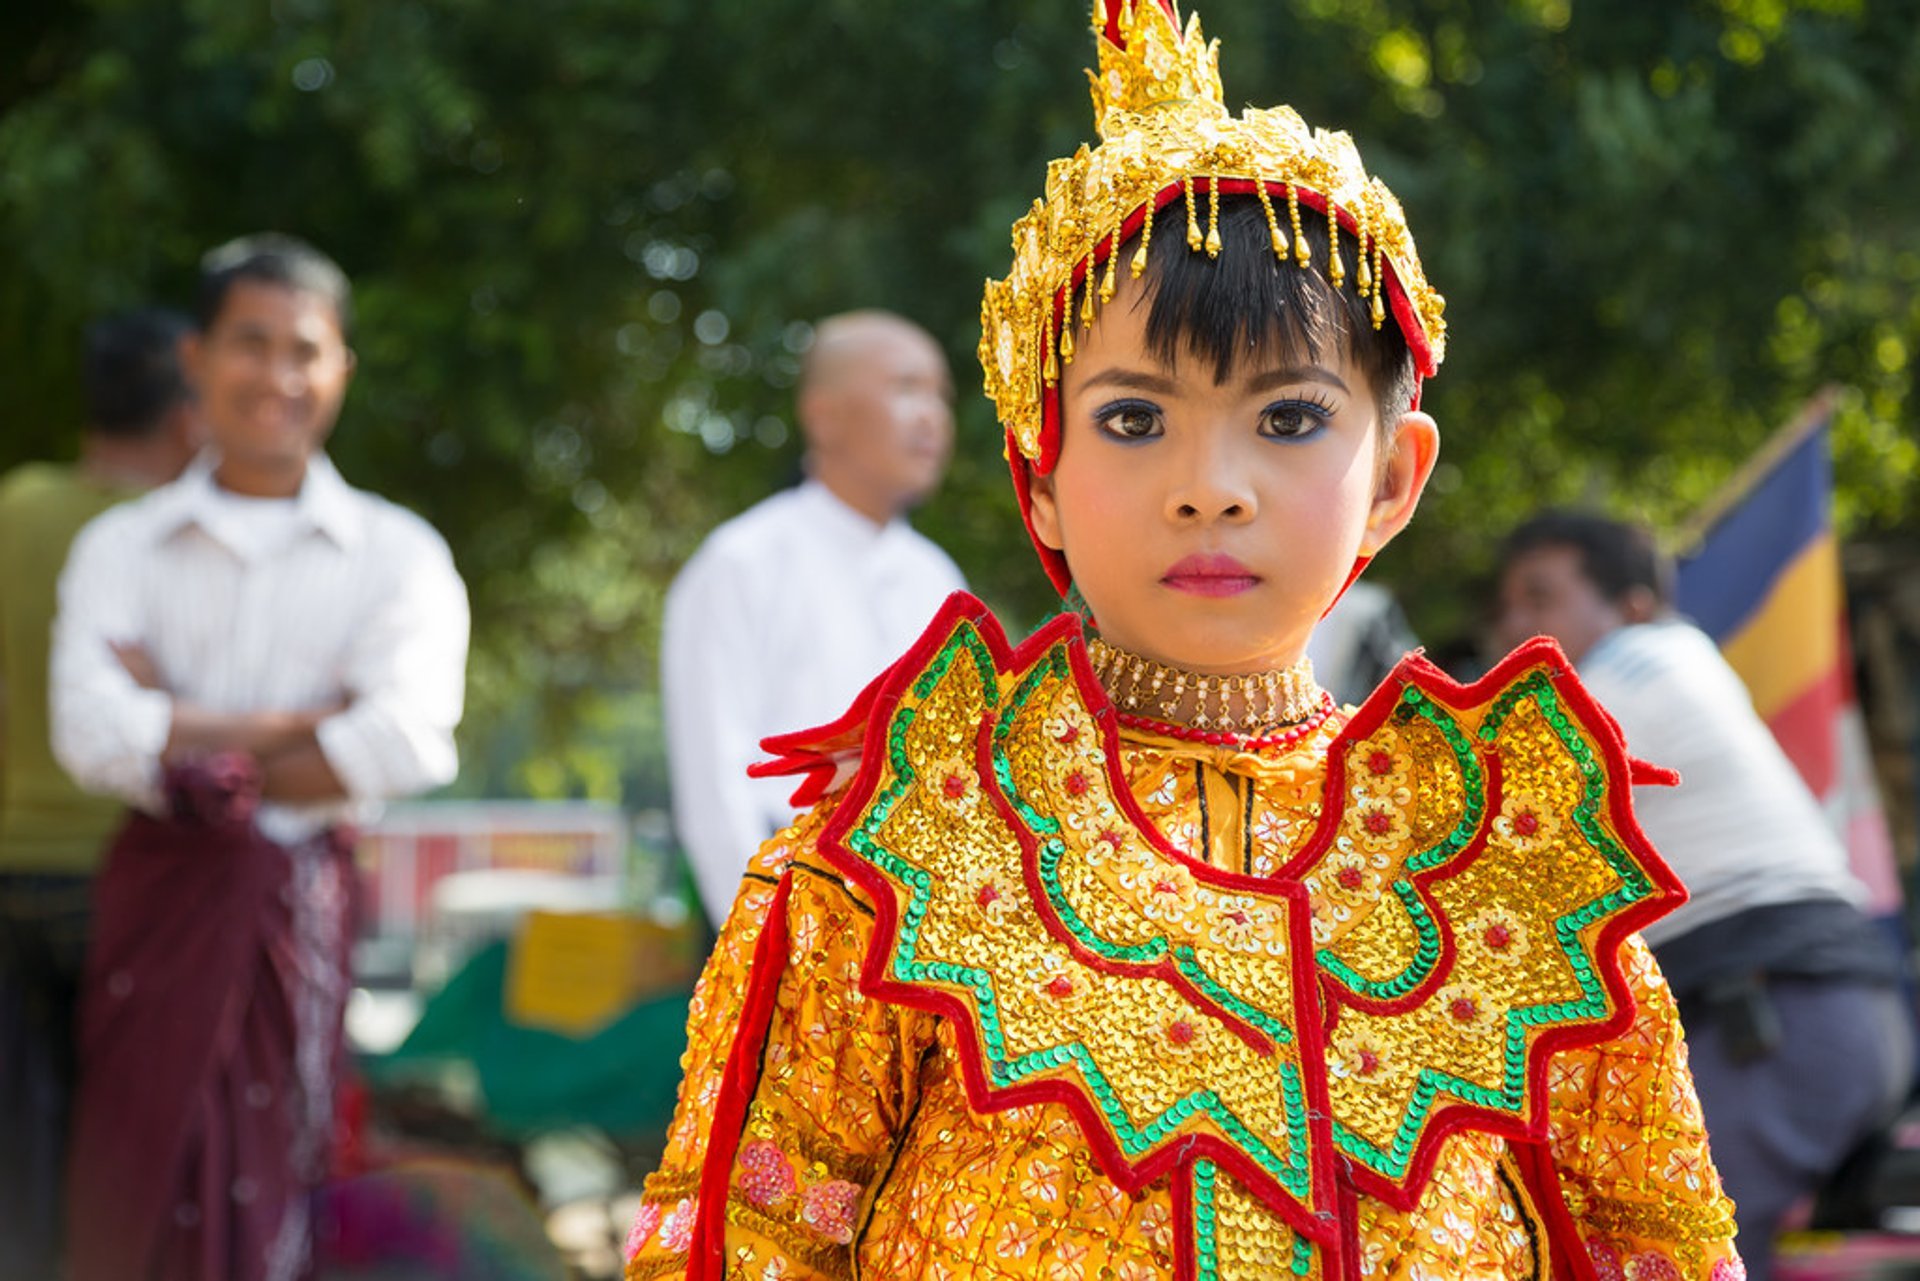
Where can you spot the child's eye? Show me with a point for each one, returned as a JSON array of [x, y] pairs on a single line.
[[1129, 420], [1294, 419]]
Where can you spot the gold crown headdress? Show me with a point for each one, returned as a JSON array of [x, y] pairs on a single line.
[[1166, 134]]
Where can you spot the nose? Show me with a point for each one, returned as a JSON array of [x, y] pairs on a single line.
[[930, 423], [289, 375], [1209, 483]]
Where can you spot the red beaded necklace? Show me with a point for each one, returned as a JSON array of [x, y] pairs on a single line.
[[1224, 738]]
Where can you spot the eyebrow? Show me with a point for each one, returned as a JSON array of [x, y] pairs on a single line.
[[1266, 380]]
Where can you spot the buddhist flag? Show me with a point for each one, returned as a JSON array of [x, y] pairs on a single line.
[[1760, 573]]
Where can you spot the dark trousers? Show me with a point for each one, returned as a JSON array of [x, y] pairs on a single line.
[[1780, 1122], [43, 933]]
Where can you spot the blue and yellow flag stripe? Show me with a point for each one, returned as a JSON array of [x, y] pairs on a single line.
[[1765, 583]]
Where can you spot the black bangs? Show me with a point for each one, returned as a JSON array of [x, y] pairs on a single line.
[[1247, 303]]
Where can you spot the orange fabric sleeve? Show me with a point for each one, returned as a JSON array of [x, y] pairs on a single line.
[[826, 1094], [1630, 1147]]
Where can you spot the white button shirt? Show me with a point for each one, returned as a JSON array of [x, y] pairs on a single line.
[[782, 616], [347, 597]]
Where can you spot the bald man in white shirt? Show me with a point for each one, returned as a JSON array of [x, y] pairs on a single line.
[[252, 658], [787, 611]]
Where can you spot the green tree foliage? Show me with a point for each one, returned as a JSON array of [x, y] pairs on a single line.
[[587, 236]]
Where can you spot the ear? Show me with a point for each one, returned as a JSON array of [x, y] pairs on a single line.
[[193, 358], [813, 411], [1043, 511], [1639, 605], [1408, 454]]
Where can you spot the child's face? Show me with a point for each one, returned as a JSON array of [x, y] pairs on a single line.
[[1209, 525]]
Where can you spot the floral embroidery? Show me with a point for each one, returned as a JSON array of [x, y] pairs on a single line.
[[1567, 1075], [766, 1176], [1651, 1265], [1106, 846], [773, 857], [1164, 890], [1376, 824], [1186, 1035], [1053, 975], [1465, 1007], [1085, 807], [992, 896], [1156, 1224], [1688, 1166], [1453, 1232], [1347, 881], [1016, 1238], [1273, 829], [1239, 922], [1681, 1096], [1359, 1052], [960, 1217], [676, 1229], [1614, 1156], [1500, 933], [1040, 1182], [645, 1220], [828, 1209], [1067, 1261], [1606, 1261], [955, 784], [1729, 1270], [1382, 767], [803, 940], [1525, 824], [1070, 728]]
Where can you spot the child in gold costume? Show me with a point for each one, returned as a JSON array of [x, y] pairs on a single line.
[[1123, 954]]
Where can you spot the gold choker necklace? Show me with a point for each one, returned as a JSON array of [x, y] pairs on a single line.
[[1245, 704]]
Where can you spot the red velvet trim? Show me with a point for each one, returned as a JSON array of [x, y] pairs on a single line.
[[1405, 315], [1669, 893], [1347, 1262], [1570, 1260], [1131, 1175], [1185, 1265], [706, 1260], [1647, 774]]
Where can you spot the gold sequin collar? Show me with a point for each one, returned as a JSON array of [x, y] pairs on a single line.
[[1252, 704]]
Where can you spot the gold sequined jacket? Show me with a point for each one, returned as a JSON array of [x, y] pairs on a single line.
[[1031, 994]]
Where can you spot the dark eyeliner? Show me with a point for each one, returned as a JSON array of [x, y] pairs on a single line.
[[1103, 418], [1319, 408]]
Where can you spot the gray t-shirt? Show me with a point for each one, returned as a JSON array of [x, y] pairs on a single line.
[[1741, 830]]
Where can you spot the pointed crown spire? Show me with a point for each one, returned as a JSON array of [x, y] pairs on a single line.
[[1166, 135]]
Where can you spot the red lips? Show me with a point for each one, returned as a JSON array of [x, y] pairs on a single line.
[[1210, 574]]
